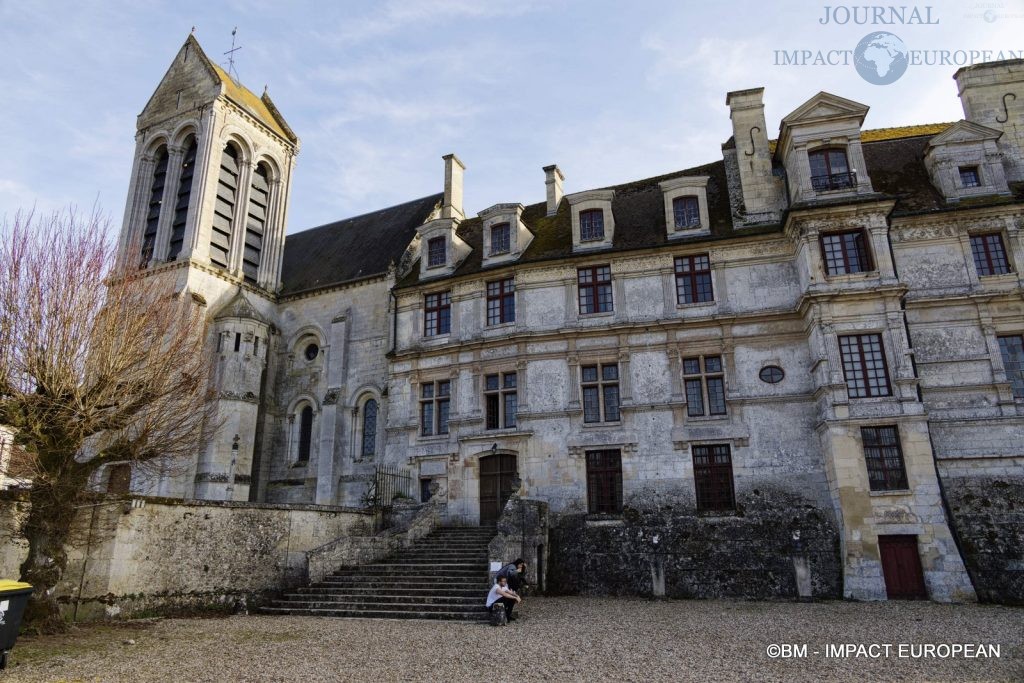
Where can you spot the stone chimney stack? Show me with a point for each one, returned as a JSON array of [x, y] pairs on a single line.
[[453, 170], [553, 180], [992, 94], [762, 192]]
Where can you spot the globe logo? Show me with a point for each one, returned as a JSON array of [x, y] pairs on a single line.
[[880, 58]]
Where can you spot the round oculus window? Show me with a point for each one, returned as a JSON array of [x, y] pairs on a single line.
[[312, 351], [772, 374]]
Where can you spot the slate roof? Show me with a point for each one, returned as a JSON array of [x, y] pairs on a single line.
[[363, 246], [353, 248]]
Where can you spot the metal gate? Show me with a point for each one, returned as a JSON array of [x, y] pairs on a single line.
[[389, 482]]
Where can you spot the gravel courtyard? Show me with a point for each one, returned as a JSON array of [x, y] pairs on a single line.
[[557, 639]]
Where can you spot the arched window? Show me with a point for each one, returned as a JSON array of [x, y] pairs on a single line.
[[224, 210], [370, 428], [255, 225], [305, 433], [188, 165], [156, 196]]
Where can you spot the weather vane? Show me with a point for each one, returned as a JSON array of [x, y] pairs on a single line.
[[231, 56]]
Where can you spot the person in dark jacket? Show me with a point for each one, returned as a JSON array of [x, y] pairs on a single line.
[[515, 573]]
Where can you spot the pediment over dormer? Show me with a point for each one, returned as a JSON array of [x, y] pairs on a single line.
[[964, 131], [825, 106]]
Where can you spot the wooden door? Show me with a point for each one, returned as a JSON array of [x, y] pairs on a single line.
[[901, 565], [496, 475]]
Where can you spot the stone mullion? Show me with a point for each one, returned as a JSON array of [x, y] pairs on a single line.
[[167, 203], [241, 218]]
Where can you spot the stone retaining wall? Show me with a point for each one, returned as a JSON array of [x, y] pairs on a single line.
[[135, 556]]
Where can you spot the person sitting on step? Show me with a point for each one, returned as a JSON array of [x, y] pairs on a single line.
[[503, 597], [515, 572]]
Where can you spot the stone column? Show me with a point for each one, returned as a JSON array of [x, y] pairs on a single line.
[[204, 182], [241, 217]]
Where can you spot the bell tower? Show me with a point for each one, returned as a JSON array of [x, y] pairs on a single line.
[[211, 176], [207, 207]]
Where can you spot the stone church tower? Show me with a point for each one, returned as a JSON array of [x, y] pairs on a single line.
[[207, 205]]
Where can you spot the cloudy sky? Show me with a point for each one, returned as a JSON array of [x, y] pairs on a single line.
[[379, 91]]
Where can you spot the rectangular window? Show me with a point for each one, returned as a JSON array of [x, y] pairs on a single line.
[[712, 478], [705, 385], [830, 170], [434, 402], [686, 211], [989, 254], [595, 286], [693, 279], [600, 393], [437, 316], [436, 255], [1012, 350], [501, 400], [969, 176], [591, 225], [845, 252], [500, 238], [238, 342], [884, 458], [864, 365], [604, 482], [501, 301]]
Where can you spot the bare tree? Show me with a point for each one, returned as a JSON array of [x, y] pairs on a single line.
[[100, 363]]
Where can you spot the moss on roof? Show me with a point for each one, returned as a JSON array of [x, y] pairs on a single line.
[[260, 107], [895, 133]]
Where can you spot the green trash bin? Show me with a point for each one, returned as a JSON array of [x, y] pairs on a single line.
[[13, 598]]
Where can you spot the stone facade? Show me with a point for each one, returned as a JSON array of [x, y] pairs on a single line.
[[680, 391]]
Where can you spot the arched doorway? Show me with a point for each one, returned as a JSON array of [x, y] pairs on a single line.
[[496, 475]]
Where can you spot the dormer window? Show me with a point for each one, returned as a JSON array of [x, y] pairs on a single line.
[[591, 225], [436, 252], [686, 211], [830, 170], [500, 238], [969, 176]]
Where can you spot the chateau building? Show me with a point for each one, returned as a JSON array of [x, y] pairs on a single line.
[[812, 345]]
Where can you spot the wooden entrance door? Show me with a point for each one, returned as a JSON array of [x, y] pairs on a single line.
[[496, 475], [901, 565]]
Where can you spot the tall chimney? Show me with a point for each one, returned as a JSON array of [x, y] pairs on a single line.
[[762, 193], [453, 169], [992, 94], [553, 180]]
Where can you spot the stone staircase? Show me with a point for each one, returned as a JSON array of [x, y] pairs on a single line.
[[442, 576]]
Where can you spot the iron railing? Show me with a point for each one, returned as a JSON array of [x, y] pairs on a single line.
[[389, 482], [834, 181]]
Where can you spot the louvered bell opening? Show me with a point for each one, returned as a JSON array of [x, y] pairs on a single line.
[[224, 208], [188, 165], [156, 195], [255, 225]]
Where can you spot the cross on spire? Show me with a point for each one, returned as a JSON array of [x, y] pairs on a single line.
[[231, 55]]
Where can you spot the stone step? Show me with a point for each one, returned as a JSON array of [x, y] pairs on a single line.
[[391, 590], [378, 614], [382, 597], [412, 570], [470, 583], [396, 606]]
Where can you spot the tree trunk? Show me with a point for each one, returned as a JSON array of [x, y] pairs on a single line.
[[46, 528]]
